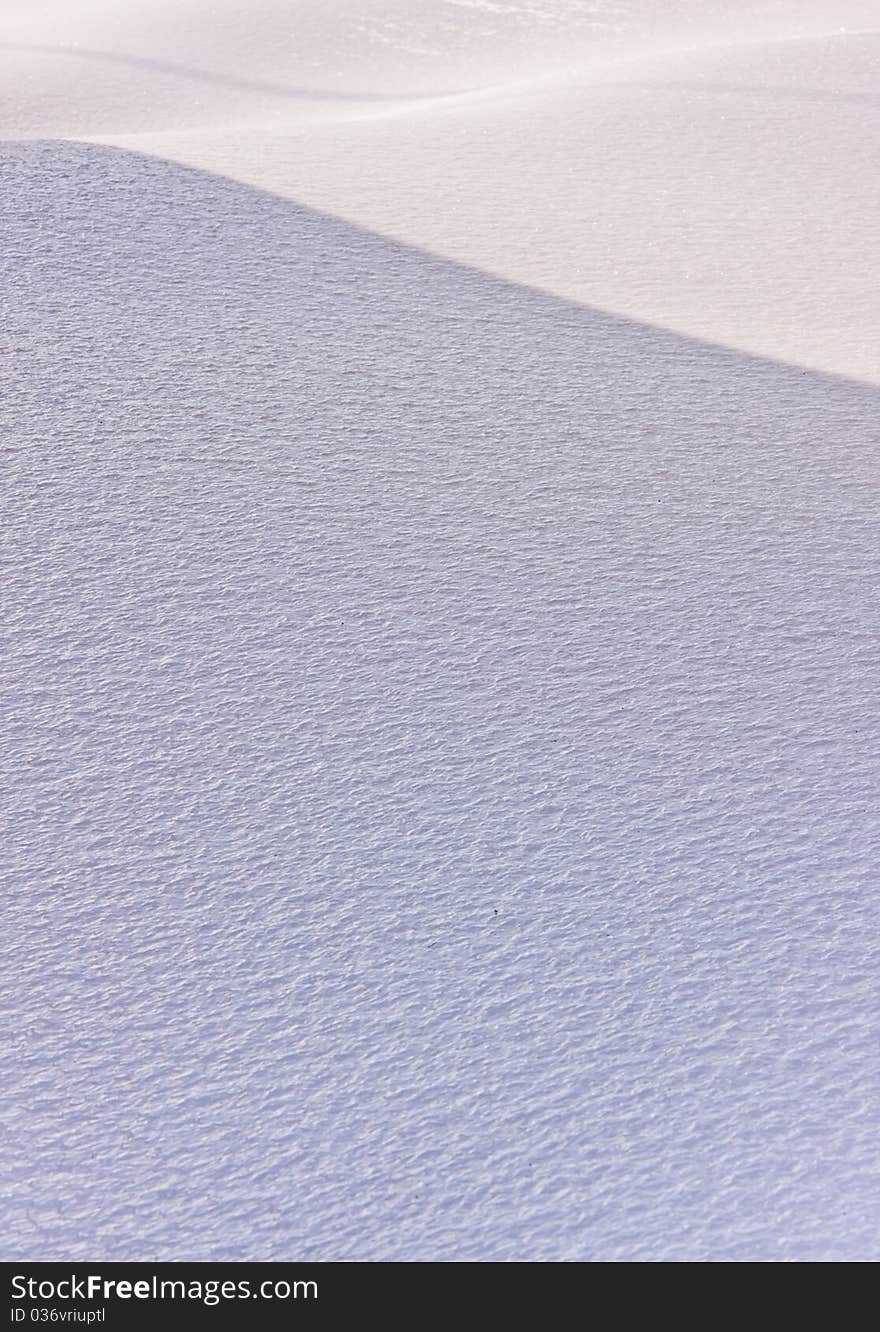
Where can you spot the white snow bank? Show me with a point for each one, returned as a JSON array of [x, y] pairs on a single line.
[[440, 742]]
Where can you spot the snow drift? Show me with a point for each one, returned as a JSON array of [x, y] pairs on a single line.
[[441, 731]]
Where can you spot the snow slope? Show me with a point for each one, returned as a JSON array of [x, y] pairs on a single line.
[[440, 630]]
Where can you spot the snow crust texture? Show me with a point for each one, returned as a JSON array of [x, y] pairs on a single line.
[[440, 744]]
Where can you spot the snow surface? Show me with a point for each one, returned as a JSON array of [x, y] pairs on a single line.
[[440, 631]]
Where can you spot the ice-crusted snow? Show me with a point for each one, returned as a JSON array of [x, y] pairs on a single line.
[[440, 750]]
